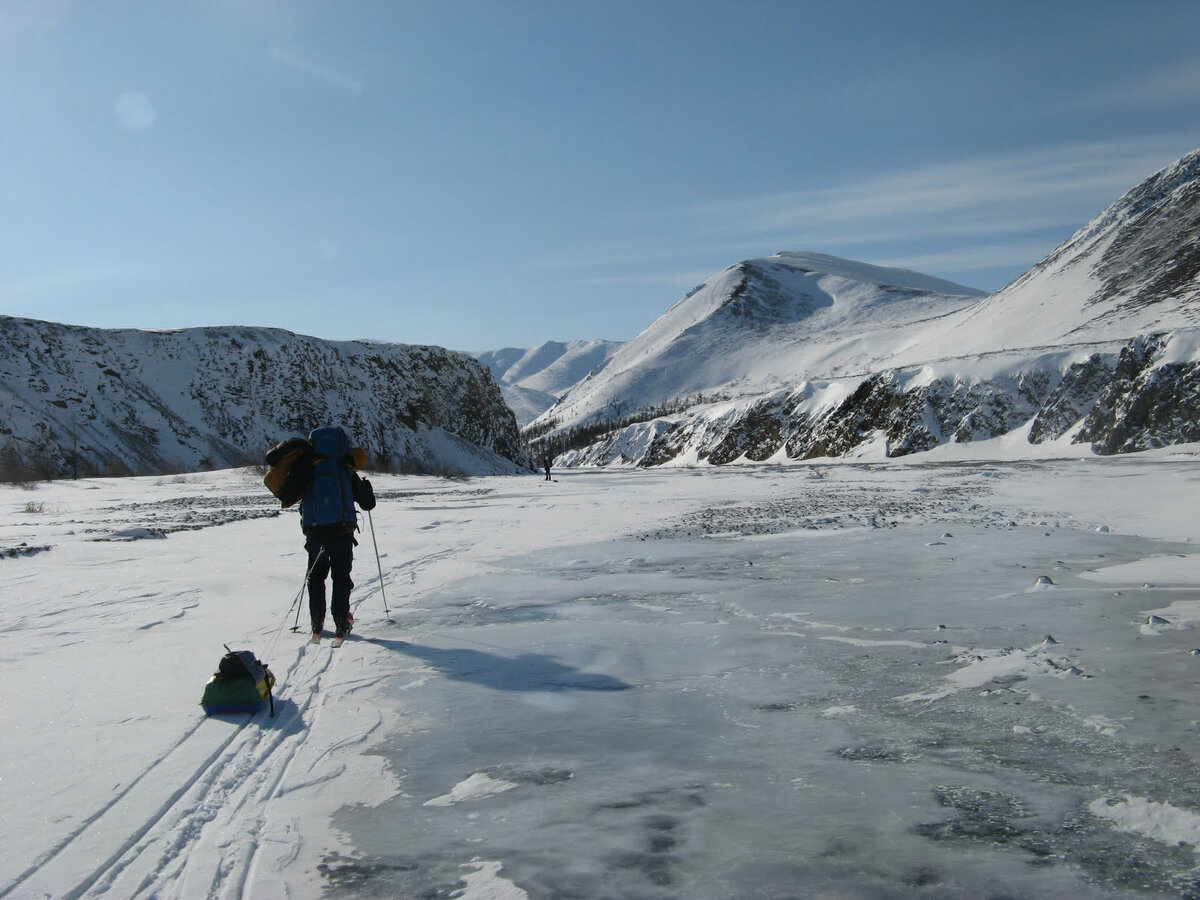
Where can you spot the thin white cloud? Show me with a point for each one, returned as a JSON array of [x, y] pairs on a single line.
[[43, 284], [1169, 86], [977, 199], [656, 279], [974, 258], [997, 187], [971, 215], [339, 79], [22, 19]]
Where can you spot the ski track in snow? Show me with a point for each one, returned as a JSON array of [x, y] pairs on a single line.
[[230, 789], [206, 802], [208, 798]]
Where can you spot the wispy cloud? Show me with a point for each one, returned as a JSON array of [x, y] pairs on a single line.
[[72, 278], [973, 258], [970, 215], [988, 213], [338, 79], [1169, 86], [978, 196], [654, 279]]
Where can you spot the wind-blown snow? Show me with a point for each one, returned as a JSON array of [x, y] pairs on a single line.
[[895, 680]]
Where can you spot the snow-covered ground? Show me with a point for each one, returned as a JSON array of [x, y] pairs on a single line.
[[941, 679]]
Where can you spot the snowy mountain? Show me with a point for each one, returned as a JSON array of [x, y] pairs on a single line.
[[760, 325], [532, 380], [801, 355], [96, 401]]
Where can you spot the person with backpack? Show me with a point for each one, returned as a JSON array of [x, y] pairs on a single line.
[[329, 520]]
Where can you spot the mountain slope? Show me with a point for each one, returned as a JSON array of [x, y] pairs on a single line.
[[86, 400], [1132, 270], [757, 326], [801, 356]]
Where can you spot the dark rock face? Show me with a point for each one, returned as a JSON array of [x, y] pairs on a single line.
[[1145, 405], [1158, 237], [758, 435], [1071, 399], [90, 401], [760, 301]]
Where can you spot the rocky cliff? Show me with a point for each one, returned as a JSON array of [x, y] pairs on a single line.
[[89, 401]]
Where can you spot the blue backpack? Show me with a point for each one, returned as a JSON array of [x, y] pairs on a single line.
[[329, 499]]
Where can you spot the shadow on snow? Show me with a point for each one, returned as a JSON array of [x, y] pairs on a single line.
[[524, 672]]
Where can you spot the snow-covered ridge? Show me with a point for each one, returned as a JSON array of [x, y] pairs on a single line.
[[85, 400], [806, 355], [1135, 397], [758, 326]]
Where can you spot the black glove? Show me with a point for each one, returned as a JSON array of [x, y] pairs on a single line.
[[364, 494]]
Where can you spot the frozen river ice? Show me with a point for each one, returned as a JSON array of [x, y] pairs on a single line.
[[943, 680], [855, 712]]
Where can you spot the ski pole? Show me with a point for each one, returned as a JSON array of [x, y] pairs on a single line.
[[379, 564], [307, 575]]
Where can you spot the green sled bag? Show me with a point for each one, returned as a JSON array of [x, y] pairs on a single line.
[[241, 683]]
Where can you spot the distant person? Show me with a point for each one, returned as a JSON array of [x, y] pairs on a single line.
[[547, 462], [329, 520]]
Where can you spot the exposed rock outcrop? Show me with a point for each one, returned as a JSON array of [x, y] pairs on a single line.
[[1134, 398]]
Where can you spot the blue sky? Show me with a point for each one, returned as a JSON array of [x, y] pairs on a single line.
[[500, 173]]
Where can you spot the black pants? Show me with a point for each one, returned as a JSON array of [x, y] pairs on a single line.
[[338, 557]]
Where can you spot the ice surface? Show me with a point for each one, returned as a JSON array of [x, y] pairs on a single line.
[[828, 681]]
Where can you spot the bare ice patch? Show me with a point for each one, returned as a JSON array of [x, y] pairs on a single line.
[[867, 642]]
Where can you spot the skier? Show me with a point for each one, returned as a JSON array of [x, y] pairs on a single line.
[[329, 520]]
